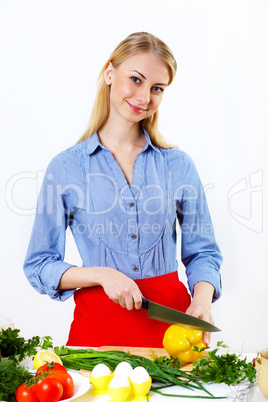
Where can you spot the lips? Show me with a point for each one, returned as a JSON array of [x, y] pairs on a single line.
[[136, 109]]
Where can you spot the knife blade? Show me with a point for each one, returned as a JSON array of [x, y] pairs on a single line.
[[172, 316]]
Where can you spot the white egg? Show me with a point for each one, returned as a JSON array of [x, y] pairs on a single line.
[[124, 369], [100, 370], [119, 381], [139, 375]]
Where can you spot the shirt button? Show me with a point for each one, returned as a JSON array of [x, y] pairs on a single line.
[[135, 269], [133, 237], [34, 275], [131, 204]]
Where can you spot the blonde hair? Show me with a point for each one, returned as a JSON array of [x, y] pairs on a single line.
[[139, 42]]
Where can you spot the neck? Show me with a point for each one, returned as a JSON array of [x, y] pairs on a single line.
[[120, 136]]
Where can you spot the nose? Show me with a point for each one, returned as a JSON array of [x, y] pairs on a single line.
[[143, 95]]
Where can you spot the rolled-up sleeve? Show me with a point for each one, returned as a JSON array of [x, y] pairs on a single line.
[[44, 263], [199, 250]]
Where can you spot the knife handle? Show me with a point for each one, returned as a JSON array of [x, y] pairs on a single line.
[[145, 304]]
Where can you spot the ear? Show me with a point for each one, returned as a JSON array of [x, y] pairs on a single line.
[[108, 73]]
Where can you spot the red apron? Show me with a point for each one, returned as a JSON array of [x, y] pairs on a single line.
[[98, 321]]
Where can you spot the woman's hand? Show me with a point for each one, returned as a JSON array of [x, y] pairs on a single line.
[[200, 306], [120, 288]]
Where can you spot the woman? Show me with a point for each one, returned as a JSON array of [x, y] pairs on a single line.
[[121, 190]]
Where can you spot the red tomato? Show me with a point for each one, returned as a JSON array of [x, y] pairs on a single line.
[[25, 394], [67, 382], [48, 390], [50, 367]]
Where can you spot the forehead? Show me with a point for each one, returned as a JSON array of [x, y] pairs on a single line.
[[148, 64]]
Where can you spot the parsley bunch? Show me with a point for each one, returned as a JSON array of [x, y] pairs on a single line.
[[227, 368], [17, 348]]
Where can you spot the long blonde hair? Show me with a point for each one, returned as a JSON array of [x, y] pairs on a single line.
[[139, 42]]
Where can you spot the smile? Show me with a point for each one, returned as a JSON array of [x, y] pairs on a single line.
[[136, 109]]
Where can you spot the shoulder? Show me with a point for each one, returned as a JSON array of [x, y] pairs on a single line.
[[72, 152], [181, 166], [68, 160], [177, 157]]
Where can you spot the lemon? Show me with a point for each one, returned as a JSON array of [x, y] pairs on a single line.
[[45, 356]]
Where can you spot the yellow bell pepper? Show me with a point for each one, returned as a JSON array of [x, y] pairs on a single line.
[[179, 341]]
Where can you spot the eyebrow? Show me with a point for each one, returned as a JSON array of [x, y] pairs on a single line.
[[136, 71]]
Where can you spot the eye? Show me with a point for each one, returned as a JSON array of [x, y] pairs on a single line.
[[158, 89], [136, 80]]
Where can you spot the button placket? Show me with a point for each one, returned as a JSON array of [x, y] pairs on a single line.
[[133, 238]]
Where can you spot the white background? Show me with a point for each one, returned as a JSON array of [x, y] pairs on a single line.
[[216, 110]]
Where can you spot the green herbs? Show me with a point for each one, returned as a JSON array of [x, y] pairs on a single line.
[[227, 368], [11, 376], [17, 348], [167, 361]]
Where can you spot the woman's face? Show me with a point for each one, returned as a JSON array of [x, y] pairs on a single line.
[[136, 86]]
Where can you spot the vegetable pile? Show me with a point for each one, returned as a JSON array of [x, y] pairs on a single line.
[[51, 382], [166, 371]]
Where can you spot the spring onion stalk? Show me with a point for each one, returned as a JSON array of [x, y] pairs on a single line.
[[188, 396], [167, 375]]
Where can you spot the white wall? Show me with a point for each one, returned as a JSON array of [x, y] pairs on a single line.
[[216, 110]]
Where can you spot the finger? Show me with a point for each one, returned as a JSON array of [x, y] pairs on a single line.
[[129, 302], [206, 338], [138, 300], [120, 302], [118, 299]]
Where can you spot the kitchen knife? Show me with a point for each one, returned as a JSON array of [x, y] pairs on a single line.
[[171, 316]]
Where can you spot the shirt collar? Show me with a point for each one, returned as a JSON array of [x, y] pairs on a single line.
[[149, 142], [93, 143]]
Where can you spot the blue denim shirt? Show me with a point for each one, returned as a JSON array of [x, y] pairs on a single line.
[[129, 228]]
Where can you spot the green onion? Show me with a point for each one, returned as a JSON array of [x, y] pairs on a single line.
[[187, 396]]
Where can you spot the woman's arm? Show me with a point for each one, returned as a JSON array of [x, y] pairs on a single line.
[[200, 306], [118, 287], [200, 252]]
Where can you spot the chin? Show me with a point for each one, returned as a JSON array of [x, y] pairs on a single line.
[[134, 119]]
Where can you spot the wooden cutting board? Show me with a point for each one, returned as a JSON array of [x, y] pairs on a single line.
[[144, 352]]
